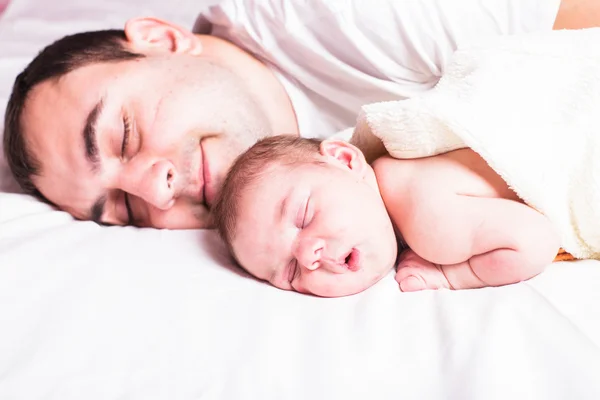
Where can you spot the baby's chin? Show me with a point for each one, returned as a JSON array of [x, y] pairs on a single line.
[[344, 290]]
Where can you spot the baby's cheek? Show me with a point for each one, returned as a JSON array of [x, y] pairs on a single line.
[[299, 286]]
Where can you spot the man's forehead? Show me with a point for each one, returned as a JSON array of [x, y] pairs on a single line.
[[53, 128], [56, 97], [77, 88], [82, 74]]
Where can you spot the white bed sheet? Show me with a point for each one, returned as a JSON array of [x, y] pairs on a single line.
[[89, 312]]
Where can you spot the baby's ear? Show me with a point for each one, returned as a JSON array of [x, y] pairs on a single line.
[[344, 153]]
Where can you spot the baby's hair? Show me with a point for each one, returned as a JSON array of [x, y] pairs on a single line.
[[249, 167]]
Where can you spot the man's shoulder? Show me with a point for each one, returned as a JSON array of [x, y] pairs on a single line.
[[276, 17]]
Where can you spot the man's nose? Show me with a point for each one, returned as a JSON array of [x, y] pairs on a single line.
[[154, 182], [308, 252]]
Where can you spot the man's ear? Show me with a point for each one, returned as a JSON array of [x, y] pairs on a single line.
[[150, 35], [346, 154]]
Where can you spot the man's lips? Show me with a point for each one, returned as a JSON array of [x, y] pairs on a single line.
[[206, 191]]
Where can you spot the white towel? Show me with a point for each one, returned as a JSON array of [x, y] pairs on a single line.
[[530, 106]]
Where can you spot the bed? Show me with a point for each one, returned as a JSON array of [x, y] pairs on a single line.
[[90, 312]]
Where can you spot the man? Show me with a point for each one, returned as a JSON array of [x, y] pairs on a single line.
[[140, 127]]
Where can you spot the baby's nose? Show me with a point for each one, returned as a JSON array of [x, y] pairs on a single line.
[[308, 252]]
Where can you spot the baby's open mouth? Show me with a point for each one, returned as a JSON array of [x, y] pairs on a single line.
[[352, 260]]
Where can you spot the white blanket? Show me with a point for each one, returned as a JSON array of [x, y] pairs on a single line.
[[530, 106]]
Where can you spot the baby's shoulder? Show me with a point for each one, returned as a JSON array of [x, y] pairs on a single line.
[[393, 175], [413, 193], [404, 175]]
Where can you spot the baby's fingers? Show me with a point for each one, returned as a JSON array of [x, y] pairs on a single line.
[[422, 275]]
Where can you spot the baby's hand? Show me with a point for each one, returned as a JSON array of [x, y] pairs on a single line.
[[415, 273]]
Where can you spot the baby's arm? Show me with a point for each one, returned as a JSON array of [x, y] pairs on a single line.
[[482, 241], [472, 241], [476, 242]]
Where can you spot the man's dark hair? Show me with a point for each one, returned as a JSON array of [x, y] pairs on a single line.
[[56, 60]]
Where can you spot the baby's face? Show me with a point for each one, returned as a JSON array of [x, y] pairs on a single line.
[[319, 229]]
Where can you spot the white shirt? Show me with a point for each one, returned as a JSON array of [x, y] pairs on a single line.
[[332, 56]]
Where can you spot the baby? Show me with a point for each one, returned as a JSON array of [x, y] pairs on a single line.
[[313, 216]]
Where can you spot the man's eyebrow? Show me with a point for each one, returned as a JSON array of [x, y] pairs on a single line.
[[97, 210], [90, 138]]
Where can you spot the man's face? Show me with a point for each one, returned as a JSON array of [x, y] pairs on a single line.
[[317, 229], [144, 142]]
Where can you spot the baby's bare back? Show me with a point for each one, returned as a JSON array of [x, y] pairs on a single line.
[[463, 172]]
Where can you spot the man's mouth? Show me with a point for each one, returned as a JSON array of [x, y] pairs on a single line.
[[206, 190]]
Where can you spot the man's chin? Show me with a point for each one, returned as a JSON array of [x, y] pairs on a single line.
[[204, 221], [196, 218]]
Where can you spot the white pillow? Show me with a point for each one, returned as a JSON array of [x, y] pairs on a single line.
[[29, 25]]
